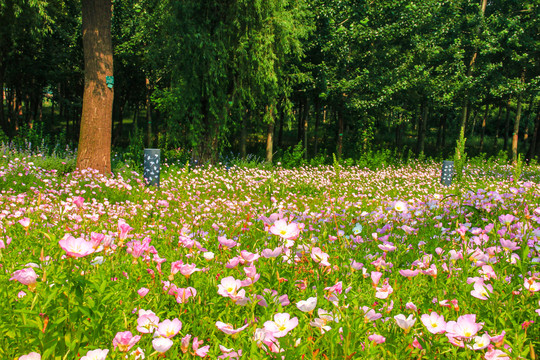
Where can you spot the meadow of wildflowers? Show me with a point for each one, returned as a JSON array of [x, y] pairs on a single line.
[[309, 263]]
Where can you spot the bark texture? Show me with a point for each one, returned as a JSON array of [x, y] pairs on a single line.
[[96, 121]]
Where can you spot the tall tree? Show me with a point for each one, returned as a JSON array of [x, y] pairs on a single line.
[[96, 122]]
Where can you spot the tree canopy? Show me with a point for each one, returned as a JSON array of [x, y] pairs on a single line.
[[209, 78]]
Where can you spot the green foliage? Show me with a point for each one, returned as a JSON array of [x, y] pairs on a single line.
[[293, 156], [378, 159], [134, 154], [460, 158], [517, 169]]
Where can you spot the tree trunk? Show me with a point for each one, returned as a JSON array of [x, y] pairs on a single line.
[[148, 115], [270, 136], [317, 121], [475, 115], [498, 126], [483, 131], [507, 125], [305, 127], [516, 131], [421, 135], [3, 124], [465, 108], [339, 147], [440, 133], [531, 154], [243, 136], [96, 122], [280, 130]]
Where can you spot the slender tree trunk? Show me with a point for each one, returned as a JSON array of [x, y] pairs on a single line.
[[483, 131], [421, 135], [531, 154], [52, 110], [465, 107], [516, 131], [148, 115], [444, 127], [440, 133], [317, 121], [340, 128], [243, 135], [305, 127], [18, 109], [270, 136], [397, 132], [528, 122], [498, 126], [475, 115], [3, 124], [507, 125], [96, 121], [280, 130]]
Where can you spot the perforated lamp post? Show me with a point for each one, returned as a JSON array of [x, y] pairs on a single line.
[[447, 172], [152, 163]]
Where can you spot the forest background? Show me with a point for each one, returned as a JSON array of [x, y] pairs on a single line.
[[291, 80]]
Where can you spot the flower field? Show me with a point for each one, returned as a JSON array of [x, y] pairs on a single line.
[[229, 263]]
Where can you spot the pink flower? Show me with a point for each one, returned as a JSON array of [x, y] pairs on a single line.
[[409, 273], [97, 354], [229, 286], [498, 339], [76, 247], [411, 306], [384, 291], [188, 269], [78, 201], [123, 229], [25, 276], [169, 328], [434, 323], [183, 294], [31, 356], [281, 325], [481, 291], [143, 291], [307, 305], [162, 344], [480, 342], [496, 354], [532, 285], [184, 343], [509, 245], [201, 352], [226, 243], [405, 323], [400, 206], [268, 253], [319, 256], [147, 321], [229, 353], [25, 222], [228, 328], [370, 314], [286, 231], [125, 340], [263, 337], [464, 328], [246, 256], [506, 219], [377, 339], [376, 277]]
